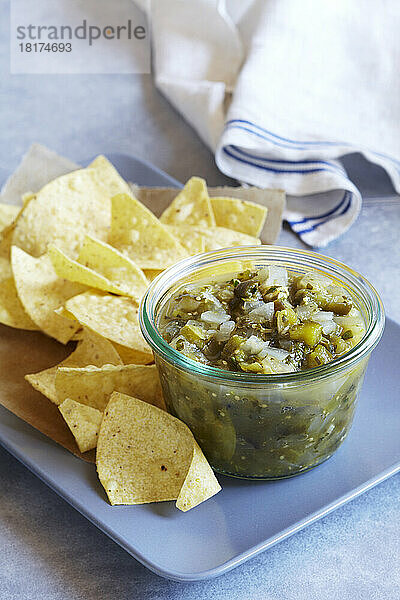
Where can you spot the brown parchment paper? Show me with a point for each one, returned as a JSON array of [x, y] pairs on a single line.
[[23, 352]]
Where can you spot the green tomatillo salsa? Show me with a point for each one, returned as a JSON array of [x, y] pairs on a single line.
[[265, 321], [258, 322]]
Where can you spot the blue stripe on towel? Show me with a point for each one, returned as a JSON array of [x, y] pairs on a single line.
[[327, 214], [228, 150], [302, 143], [269, 138], [329, 164], [297, 144], [330, 218]]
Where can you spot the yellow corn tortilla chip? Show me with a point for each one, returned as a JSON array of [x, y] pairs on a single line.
[[12, 313], [109, 176], [214, 238], [84, 423], [26, 198], [63, 212], [41, 292], [274, 200], [5, 243], [113, 317], [8, 214], [93, 386], [130, 356], [113, 265], [194, 244], [191, 206], [6, 235], [200, 482], [138, 234], [146, 455], [239, 215], [220, 237], [72, 270], [92, 349]]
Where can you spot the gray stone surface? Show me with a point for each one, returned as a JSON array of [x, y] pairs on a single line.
[[47, 550]]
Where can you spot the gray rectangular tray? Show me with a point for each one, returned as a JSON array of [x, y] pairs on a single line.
[[246, 517]]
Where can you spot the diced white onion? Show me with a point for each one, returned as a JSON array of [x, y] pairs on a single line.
[[253, 345], [227, 327], [273, 275], [225, 331], [277, 275], [305, 312], [329, 327], [277, 353], [252, 304], [211, 298], [213, 318], [264, 311], [322, 316], [348, 321]]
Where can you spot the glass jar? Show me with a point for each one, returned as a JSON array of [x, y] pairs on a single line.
[[262, 426]]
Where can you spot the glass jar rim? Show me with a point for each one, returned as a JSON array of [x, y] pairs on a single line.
[[306, 260]]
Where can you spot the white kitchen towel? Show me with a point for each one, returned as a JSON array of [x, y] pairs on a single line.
[[280, 90]]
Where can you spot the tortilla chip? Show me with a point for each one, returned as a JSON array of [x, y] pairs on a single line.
[[130, 356], [93, 349], [93, 386], [63, 212], [6, 235], [146, 455], [84, 423], [200, 482], [109, 176], [113, 317], [25, 198], [215, 238], [220, 237], [138, 234], [274, 200], [71, 270], [191, 206], [41, 292], [194, 244], [8, 214], [239, 215], [12, 312], [117, 268], [5, 243]]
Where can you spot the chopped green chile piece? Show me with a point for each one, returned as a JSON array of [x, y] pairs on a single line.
[[266, 321], [308, 332]]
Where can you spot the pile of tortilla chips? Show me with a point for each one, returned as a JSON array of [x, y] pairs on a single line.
[[75, 261]]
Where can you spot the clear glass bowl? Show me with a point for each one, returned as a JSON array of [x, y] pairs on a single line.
[[262, 426]]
